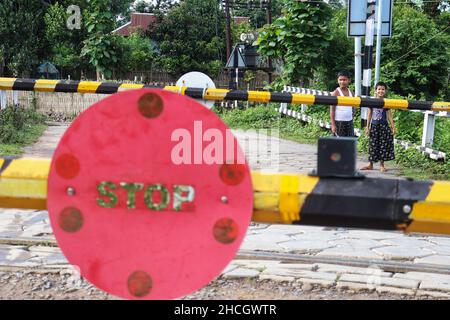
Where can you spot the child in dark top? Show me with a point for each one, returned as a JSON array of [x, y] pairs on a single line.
[[380, 132]]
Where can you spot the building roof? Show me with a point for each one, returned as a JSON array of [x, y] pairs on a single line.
[[138, 21], [239, 20], [143, 20]]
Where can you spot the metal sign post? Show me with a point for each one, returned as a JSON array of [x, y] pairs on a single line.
[[379, 10], [358, 66], [2, 99], [361, 22], [368, 53]]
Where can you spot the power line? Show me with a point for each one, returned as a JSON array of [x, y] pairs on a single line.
[[392, 62], [249, 4]]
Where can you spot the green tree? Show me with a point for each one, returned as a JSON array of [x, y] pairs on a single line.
[[415, 61], [157, 7], [432, 8], [258, 16], [339, 55], [298, 39], [139, 52], [22, 36], [101, 48], [191, 37], [66, 44], [239, 28], [120, 8]]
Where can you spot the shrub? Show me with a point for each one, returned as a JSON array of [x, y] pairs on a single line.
[[14, 123]]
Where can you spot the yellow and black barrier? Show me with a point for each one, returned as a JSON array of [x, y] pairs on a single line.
[[23, 183], [411, 206], [220, 94], [390, 204]]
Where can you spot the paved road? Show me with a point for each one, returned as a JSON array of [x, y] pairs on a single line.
[[392, 262], [259, 149]]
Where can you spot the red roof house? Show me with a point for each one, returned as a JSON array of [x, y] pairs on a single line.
[[143, 20], [138, 21], [239, 20]]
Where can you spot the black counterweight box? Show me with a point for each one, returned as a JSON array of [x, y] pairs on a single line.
[[337, 157]]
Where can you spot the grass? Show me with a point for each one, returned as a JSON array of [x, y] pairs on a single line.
[[419, 174], [414, 165], [19, 127], [263, 117], [31, 135], [10, 150]]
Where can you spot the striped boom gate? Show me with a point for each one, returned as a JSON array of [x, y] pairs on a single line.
[[149, 208], [220, 94]]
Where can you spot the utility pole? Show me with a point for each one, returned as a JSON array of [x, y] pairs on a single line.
[[368, 59], [378, 52], [228, 28], [269, 21], [358, 66]]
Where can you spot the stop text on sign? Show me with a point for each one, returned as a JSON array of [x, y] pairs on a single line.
[[157, 197]]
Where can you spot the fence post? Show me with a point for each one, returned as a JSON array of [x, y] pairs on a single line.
[[304, 107], [2, 99], [283, 105], [428, 129], [15, 98]]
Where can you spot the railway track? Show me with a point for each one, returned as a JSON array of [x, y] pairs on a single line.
[[387, 266]]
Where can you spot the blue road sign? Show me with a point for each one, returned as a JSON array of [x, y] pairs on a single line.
[[356, 18]]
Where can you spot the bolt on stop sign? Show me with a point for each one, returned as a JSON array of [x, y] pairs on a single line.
[[138, 224]]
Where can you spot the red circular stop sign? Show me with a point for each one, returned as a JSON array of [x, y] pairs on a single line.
[[149, 195]]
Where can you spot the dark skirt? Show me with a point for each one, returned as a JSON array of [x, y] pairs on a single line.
[[344, 129], [381, 145]]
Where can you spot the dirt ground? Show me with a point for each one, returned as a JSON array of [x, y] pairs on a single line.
[[31, 285]]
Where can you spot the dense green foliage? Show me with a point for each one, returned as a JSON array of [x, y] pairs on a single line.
[[258, 16], [157, 6], [21, 33], [307, 38], [101, 47], [298, 39], [65, 46], [339, 55], [192, 37], [416, 59], [139, 53], [34, 31]]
